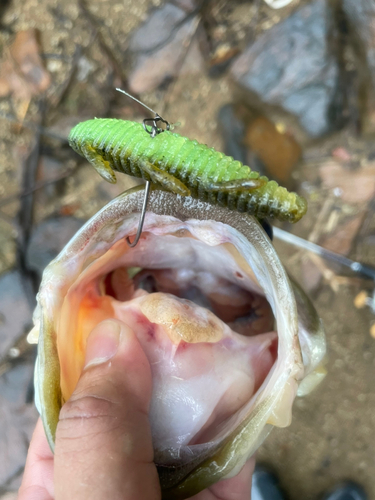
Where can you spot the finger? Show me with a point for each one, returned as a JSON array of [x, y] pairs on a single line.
[[37, 482], [103, 439]]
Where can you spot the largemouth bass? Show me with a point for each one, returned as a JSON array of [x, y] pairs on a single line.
[[230, 338]]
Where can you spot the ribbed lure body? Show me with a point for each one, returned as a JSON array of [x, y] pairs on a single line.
[[174, 163]]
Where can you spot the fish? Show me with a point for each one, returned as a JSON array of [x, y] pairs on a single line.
[[231, 339]]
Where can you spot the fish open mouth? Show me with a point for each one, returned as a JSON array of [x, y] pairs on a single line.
[[214, 311], [202, 320]]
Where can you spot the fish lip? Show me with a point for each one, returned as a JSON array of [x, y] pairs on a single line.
[[100, 230]]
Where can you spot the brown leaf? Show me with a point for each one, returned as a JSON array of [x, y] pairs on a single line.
[[356, 186], [22, 72], [279, 152]]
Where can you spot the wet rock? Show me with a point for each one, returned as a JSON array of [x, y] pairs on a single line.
[[48, 239], [360, 15], [278, 151], [17, 422], [233, 130], [292, 66], [159, 47], [15, 311]]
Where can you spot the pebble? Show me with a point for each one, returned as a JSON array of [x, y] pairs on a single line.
[[291, 65], [159, 47]]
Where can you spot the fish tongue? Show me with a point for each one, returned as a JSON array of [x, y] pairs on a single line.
[[203, 372]]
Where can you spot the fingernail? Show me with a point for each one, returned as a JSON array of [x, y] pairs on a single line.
[[102, 343]]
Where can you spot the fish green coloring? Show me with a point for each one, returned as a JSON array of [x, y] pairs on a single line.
[[183, 166]]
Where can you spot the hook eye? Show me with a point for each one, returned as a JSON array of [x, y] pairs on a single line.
[[153, 130], [158, 118]]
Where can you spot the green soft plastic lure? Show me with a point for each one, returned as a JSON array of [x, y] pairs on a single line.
[[185, 167]]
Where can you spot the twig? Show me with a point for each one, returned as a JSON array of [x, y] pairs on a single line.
[[38, 185], [322, 218], [33, 126], [25, 215]]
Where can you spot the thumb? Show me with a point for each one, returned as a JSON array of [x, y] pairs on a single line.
[[103, 438]]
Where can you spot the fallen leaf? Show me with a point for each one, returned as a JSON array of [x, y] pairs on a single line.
[[22, 72], [342, 239], [356, 186]]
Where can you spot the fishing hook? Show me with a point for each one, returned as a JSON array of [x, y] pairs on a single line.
[[153, 130], [142, 218]]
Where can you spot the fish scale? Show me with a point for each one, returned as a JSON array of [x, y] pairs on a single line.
[[111, 144]]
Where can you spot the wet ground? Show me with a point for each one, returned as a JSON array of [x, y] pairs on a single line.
[[66, 71]]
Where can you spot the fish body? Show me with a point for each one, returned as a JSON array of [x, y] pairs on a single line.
[[230, 339], [183, 166]]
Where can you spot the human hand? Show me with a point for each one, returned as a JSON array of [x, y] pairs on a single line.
[[103, 441]]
